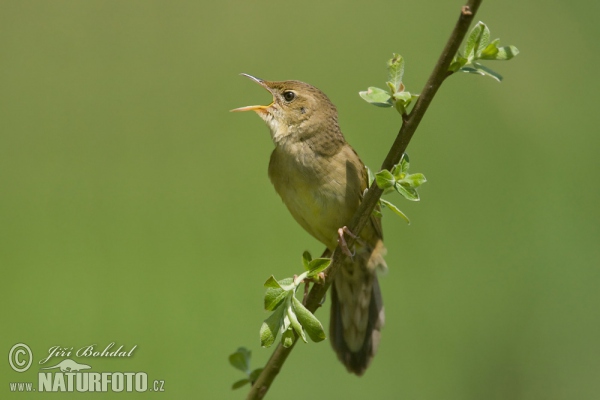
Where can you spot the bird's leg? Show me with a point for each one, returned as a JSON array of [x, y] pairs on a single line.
[[342, 240]]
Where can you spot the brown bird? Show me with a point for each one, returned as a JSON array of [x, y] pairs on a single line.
[[321, 180]]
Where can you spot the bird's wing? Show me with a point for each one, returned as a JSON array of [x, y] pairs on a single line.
[[375, 220], [364, 184]]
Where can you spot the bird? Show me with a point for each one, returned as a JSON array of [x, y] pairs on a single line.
[[321, 179]]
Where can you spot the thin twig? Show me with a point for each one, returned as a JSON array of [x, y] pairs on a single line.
[[362, 215]]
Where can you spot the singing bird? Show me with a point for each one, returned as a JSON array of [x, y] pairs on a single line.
[[321, 180]]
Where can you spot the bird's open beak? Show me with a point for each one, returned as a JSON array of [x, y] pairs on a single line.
[[258, 109]]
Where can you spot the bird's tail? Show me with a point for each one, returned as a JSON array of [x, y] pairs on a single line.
[[357, 314]]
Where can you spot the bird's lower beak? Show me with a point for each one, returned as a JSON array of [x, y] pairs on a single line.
[[257, 109]]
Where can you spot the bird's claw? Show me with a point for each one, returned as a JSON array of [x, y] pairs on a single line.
[[342, 240]]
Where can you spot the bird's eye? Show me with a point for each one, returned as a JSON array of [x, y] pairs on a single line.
[[289, 96]]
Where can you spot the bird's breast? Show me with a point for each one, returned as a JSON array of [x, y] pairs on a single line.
[[315, 190]]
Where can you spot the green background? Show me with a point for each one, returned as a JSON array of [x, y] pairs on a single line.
[[134, 208]]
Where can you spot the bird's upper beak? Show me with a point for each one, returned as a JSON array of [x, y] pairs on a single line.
[[258, 109]]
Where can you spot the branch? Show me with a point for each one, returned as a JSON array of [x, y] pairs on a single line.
[[409, 126]]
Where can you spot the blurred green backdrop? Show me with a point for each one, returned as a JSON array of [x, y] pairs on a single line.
[[135, 208]]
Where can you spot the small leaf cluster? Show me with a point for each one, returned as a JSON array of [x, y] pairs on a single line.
[[399, 180], [290, 317], [478, 47], [395, 95], [241, 360]]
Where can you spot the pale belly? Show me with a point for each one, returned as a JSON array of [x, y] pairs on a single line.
[[316, 195]]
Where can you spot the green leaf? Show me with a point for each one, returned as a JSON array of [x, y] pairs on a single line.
[[408, 192], [487, 71], [397, 171], [277, 291], [404, 97], [479, 38], [240, 383], [306, 259], [402, 100], [286, 283], [318, 265], [255, 374], [484, 40], [490, 52], [415, 180], [241, 359], [471, 70], [400, 107], [395, 209], [370, 176], [494, 52], [396, 71], [274, 297], [391, 86], [287, 339], [385, 179], [311, 324], [272, 283], [271, 326], [472, 41], [505, 53], [376, 96], [479, 47], [458, 62], [294, 321], [404, 163]]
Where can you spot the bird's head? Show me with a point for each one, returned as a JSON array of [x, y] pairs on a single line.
[[298, 110]]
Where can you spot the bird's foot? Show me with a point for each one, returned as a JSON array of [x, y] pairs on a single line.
[[342, 240]]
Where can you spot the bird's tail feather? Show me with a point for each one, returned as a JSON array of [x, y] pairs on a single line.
[[357, 314]]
